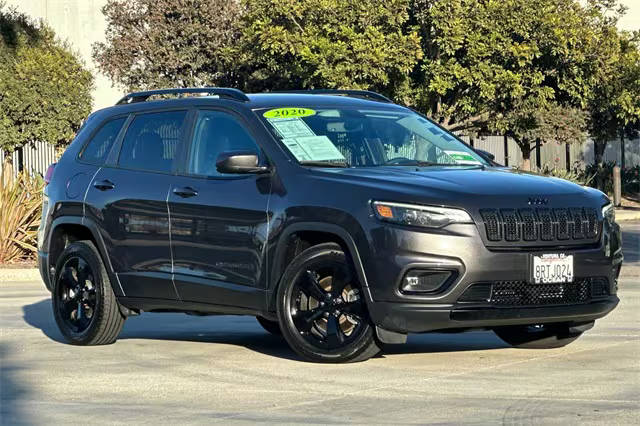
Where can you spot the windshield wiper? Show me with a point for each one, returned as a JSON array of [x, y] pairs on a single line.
[[341, 164]]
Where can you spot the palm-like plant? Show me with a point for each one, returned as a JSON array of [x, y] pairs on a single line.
[[20, 211]]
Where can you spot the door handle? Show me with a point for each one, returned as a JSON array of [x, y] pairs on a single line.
[[185, 192], [104, 185]]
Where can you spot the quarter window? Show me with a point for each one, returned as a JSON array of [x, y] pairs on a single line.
[[99, 146], [151, 141], [216, 132]]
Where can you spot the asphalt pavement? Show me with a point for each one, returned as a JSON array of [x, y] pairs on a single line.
[[177, 369]]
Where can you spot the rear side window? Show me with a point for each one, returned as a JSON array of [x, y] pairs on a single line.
[[151, 141], [99, 146]]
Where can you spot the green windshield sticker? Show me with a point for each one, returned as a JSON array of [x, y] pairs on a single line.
[[289, 112], [462, 157]]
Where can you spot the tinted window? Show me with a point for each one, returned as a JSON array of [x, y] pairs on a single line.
[[151, 141], [99, 146], [216, 132]]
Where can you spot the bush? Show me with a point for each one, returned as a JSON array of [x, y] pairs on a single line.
[[576, 175], [20, 211], [630, 177]]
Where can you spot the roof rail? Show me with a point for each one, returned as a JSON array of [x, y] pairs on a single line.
[[222, 92], [364, 94]]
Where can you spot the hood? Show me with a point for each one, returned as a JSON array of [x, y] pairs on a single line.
[[463, 186]]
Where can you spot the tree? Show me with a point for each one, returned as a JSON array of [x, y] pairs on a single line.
[[529, 124], [355, 44], [614, 107], [45, 91], [503, 65], [168, 43]]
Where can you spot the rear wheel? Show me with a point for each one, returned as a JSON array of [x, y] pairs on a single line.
[[538, 336], [321, 308], [271, 326], [84, 305]]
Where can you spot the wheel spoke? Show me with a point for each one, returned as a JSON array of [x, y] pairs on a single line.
[[313, 287], [304, 319], [83, 272], [354, 309], [340, 279], [335, 336], [68, 277]]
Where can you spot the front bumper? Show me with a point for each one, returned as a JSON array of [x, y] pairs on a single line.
[[462, 251], [420, 318]]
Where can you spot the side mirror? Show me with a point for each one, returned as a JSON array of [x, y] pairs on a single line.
[[239, 162], [486, 155]]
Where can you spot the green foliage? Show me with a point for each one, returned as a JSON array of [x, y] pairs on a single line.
[[603, 178], [576, 175], [614, 107], [359, 44], [168, 43], [44, 87], [20, 211]]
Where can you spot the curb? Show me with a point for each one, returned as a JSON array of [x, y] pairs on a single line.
[[626, 215], [19, 274]]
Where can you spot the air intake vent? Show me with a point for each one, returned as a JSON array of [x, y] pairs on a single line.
[[521, 293]]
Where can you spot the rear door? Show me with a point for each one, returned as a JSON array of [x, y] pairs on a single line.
[[219, 222], [128, 199]]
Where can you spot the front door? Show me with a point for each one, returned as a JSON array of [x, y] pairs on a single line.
[[219, 222]]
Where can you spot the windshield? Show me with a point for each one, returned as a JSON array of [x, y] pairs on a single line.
[[365, 138]]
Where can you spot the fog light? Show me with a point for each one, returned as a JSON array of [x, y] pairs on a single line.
[[422, 281]]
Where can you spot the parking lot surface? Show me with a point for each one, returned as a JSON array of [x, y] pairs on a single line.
[[173, 368]]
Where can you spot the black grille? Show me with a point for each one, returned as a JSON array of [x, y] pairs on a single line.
[[521, 293], [540, 224]]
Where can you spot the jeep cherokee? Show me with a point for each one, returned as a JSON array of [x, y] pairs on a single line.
[[340, 220]]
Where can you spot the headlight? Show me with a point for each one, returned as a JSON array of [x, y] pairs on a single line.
[[609, 213], [423, 216]]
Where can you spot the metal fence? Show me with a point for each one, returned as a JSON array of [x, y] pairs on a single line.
[[35, 158], [555, 155]]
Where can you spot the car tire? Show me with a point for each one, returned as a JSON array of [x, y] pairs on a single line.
[[541, 336], [84, 305], [321, 308], [271, 326]]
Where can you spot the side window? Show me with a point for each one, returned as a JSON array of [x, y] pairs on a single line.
[[216, 132], [151, 141], [99, 146]]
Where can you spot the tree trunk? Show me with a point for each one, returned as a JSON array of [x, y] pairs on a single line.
[[525, 148], [6, 174], [598, 154]]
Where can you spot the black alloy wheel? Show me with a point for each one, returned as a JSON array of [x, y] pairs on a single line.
[[84, 305], [322, 309], [77, 294]]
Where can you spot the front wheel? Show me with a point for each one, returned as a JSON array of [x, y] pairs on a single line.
[[321, 308], [539, 336]]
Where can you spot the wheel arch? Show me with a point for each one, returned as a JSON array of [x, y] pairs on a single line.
[[312, 233], [68, 229]]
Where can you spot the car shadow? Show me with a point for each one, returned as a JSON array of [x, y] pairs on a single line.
[[246, 332]]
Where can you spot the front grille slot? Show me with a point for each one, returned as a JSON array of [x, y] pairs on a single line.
[[522, 293], [541, 224]]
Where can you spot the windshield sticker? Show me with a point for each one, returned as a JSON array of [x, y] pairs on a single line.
[[291, 127], [462, 157], [289, 112], [313, 148]]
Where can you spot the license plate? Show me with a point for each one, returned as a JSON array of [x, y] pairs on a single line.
[[552, 268]]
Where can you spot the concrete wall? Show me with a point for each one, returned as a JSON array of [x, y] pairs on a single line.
[[81, 23]]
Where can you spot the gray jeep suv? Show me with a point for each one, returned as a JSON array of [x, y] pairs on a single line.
[[339, 219]]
